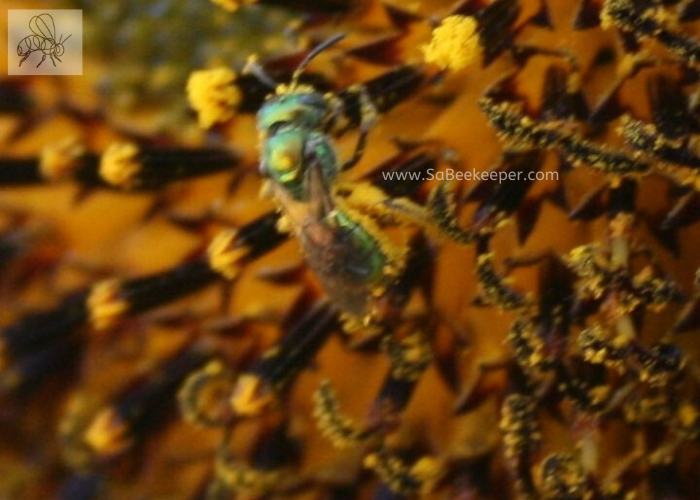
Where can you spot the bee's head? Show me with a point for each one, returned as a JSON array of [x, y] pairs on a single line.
[[305, 110], [296, 105]]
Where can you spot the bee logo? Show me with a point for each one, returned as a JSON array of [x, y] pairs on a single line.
[[43, 39]]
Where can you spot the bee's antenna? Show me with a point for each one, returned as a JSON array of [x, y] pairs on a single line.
[[316, 51], [253, 67], [64, 41]]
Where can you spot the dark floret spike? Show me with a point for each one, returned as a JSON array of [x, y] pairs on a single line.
[[592, 205], [20, 172], [384, 492], [506, 197], [542, 18], [149, 292], [14, 97], [670, 109], [666, 483], [261, 235], [605, 56], [556, 297], [689, 318], [685, 212], [415, 163], [28, 372], [669, 237], [82, 486], [155, 394], [587, 15], [472, 480], [313, 6], [275, 449], [688, 12], [162, 166], [527, 216], [623, 197], [495, 25], [130, 167], [608, 107], [401, 17], [297, 348], [386, 91], [37, 330], [123, 166], [385, 50], [559, 101]]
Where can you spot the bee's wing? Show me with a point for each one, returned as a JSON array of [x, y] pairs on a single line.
[[319, 192], [43, 26]]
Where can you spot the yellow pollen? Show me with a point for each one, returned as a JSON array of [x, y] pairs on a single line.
[[108, 435], [224, 256], [232, 5], [455, 44], [250, 396], [59, 161], [213, 95], [105, 304], [120, 166]]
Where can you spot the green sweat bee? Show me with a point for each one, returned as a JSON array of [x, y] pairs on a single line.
[[336, 223]]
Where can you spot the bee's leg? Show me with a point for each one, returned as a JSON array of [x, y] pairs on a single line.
[[25, 57], [42, 60], [373, 201], [440, 213], [59, 59], [51, 57], [369, 117]]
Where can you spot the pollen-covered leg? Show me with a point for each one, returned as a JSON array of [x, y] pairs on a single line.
[[385, 209]]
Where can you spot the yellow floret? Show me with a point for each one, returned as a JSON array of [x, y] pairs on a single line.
[[455, 44], [120, 165], [231, 5], [213, 95]]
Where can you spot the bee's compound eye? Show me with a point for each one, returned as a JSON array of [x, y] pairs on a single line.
[[283, 157]]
